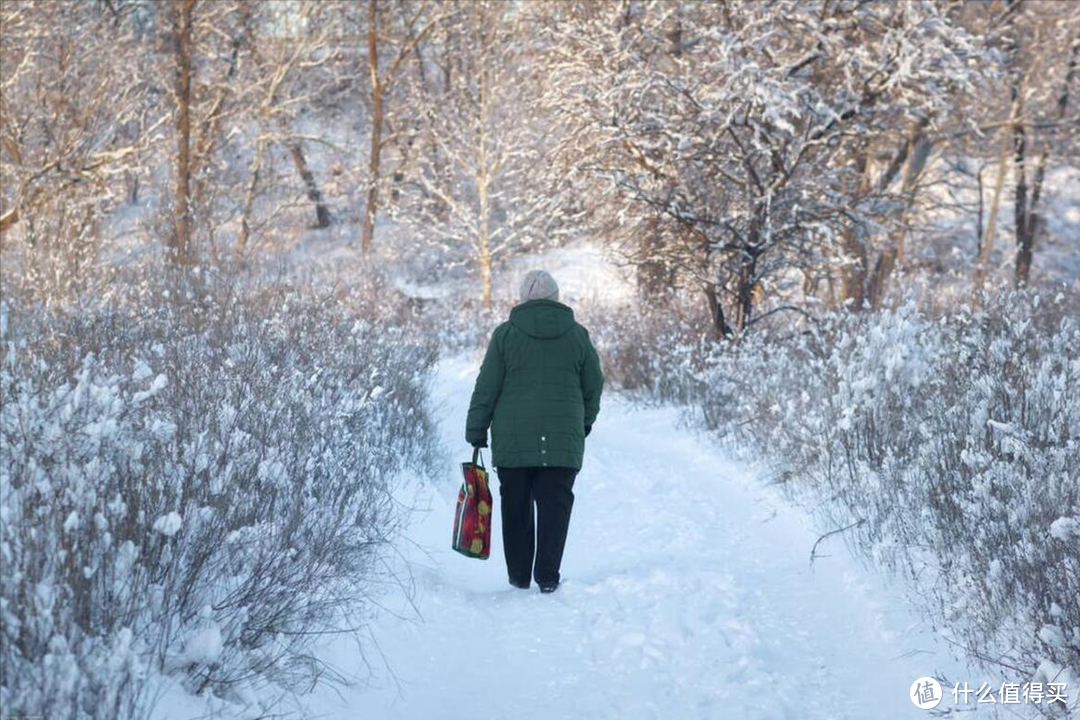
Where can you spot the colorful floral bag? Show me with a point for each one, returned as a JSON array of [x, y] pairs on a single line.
[[472, 521]]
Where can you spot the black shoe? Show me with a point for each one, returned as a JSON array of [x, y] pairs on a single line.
[[549, 587], [521, 586]]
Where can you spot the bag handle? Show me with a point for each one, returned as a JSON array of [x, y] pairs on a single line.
[[476, 456]]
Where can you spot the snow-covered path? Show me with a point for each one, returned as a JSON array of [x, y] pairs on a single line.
[[687, 593]]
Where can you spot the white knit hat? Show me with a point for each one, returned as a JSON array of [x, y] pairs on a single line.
[[539, 285]]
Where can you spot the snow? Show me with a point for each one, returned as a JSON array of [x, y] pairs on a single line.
[[168, 525], [159, 384], [1065, 529], [1053, 636], [72, 522], [141, 371], [203, 645], [687, 593]]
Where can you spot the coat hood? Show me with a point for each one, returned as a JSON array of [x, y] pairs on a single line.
[[542, 318]]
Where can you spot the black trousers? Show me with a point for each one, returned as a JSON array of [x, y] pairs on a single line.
[[551, 489]]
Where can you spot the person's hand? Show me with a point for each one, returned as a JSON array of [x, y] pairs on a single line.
[[479, 443], [588, 429]]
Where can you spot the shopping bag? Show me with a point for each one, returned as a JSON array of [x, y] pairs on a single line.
[[472, 521]]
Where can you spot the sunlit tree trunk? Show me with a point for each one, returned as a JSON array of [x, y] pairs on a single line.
[[482, 181], [986, 247], [182, 28], [371, 207], [381, 83]]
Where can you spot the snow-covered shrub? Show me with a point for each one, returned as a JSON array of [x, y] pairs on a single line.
[[461, 329], [645, 351], [948, 446], [195, 481]]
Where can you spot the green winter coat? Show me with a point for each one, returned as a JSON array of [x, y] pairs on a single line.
[[538, 389]]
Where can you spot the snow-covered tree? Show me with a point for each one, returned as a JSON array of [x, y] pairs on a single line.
[[729, 129], [1038, 46], [479, 188], [76, 124], [393, 36]]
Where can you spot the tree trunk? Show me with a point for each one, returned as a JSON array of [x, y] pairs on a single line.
[[853, 276], [1027, 231], [182, 27], [482, 185], [716, 312], [914, 160], [883, 268], [367, 232], [1020, 205], [485, 237], [653, 277], [9, 218], [745, 292], [485, 271], [982, 210], [249, 199], [372, 205], [322, 214], [986, 247], [746, 288]]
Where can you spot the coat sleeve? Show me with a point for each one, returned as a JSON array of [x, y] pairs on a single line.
[[486, 391], [592, 382]]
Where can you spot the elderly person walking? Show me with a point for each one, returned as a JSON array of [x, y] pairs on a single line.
[[539, 391]]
